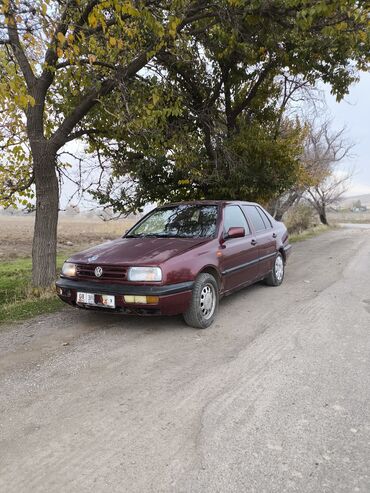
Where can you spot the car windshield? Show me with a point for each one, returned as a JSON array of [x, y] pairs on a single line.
[[181, 221]]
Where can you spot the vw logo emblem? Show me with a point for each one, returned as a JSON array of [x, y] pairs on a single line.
[[98, 271]]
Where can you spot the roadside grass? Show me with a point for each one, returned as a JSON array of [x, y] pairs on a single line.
[[310, 233], [357, 220], [18, 300]]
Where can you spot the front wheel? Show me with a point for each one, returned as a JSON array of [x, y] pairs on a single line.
[[204, 302], [276, 276]]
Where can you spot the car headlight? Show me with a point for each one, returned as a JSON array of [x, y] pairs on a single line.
[[144, 274], [68, 269]]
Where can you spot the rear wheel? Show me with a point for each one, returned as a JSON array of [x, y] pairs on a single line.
[[204, 302], [276, 276]]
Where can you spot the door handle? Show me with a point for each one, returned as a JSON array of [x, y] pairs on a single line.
[[254, 242], [274, 235]]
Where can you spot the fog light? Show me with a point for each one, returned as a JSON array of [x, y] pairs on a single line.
[[64, 292], [143, 300], [152, 300]]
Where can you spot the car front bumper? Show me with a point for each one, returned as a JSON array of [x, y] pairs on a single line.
[[173, 298]]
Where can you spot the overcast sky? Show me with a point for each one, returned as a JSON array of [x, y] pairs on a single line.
[[354, 113]]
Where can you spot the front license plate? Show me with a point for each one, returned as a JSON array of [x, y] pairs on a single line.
[[108, 300], [96, 299], [86, 298]]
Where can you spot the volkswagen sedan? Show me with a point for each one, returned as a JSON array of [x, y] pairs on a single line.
[[179, 259]]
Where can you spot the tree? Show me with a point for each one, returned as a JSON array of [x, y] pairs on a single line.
[[357, 204], [222, 132], [281, 204], [328, 193], [324, 152], [67, 68], [299, 98], [59, 59]]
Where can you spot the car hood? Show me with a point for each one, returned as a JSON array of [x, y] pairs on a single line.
[[138, 251]]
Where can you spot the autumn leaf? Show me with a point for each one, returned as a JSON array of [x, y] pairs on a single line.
[[61, 38]]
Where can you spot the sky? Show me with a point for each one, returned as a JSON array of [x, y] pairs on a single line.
[[354, 113]]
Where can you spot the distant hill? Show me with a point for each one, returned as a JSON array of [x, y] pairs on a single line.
[[71, 213], [347, 202]]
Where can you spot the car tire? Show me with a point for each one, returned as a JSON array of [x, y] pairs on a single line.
[[204, 302], [276, 276]]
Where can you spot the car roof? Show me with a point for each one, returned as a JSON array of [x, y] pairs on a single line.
[[208, 202]]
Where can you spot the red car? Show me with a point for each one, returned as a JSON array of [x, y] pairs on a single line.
[[180, 258]]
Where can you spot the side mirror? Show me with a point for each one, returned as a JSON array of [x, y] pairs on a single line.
[[235, 233]]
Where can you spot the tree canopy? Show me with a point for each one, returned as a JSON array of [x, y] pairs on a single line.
[[210, 120], [183, 98], [59, 59]]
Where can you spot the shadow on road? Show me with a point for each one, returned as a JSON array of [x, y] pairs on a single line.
[[97, 320]]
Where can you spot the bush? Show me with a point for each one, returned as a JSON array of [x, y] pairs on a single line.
[[299, 218]]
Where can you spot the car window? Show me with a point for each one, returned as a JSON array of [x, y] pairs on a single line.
[[234, 218], [183, 221], [265, 218], [255, 217]]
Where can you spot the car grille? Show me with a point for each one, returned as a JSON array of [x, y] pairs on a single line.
[[110, 272]]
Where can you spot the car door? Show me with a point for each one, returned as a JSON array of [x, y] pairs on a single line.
[[265, 237], [239, 261]]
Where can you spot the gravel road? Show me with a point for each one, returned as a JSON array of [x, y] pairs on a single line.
[[275, 397]]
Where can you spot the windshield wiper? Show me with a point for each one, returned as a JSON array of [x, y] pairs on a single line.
[[161, 235], [148, 235]]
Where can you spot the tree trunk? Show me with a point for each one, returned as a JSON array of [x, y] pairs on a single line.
[[322, 215], [278, 207], [47, 206]]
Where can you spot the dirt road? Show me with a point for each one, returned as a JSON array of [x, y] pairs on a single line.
[[275, 397]]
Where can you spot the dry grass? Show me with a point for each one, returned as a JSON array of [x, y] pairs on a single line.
[[349, 217], [74, 233], [310, 233]]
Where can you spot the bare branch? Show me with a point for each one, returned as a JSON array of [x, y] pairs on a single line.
[[81, 133], [18, 50], [86, 61]]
